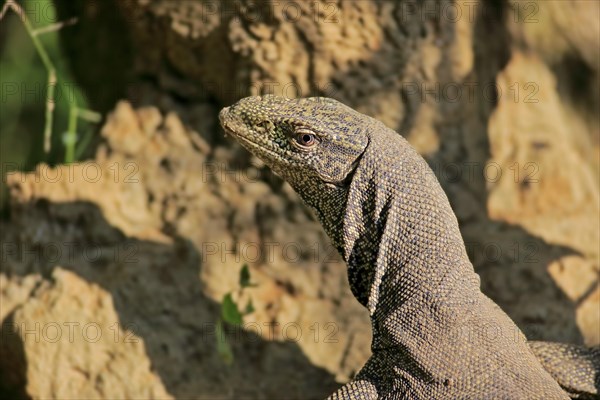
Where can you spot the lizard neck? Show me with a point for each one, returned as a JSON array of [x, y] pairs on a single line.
[[328, 202], [400, 237]]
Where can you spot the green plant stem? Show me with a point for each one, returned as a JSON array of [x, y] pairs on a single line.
[[52, 79], [74, 111], [71, 135]]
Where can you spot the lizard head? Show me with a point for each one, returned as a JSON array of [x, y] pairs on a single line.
[[317, 140]]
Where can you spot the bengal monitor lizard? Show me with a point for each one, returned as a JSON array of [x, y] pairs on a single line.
[[435, 334]]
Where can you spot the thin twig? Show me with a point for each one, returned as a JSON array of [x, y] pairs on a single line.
[[74, 111], [88, 115], [54, 27], [71, 136], [11, 4]]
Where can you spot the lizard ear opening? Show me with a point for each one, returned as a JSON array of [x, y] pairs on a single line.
[[345, 182], [338, 170]]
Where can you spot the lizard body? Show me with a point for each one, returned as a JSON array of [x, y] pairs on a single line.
[[435, 334]]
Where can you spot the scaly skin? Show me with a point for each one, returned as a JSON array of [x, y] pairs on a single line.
[[435, 334]]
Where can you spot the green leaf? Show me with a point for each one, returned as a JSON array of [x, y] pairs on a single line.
[[223, 347], [245, 276], [230, 312], [249, 308]]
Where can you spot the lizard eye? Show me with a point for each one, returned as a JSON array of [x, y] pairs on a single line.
[[306, 138]]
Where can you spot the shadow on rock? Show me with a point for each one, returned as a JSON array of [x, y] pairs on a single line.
[[157, 296]]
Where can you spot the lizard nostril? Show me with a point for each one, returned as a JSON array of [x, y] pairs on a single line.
[[223, 114]]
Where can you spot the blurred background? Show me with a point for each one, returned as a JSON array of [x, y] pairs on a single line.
[[24, 82], [145, 255]]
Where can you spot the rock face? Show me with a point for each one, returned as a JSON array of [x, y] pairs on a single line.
[[112, 269], [139, 245], [80, 336]]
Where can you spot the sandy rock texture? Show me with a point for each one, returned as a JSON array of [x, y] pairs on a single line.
[[151, 291], [143, 240], [81, 337]]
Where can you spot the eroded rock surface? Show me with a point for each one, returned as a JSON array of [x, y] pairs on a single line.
[[155, 234], [152, 230]]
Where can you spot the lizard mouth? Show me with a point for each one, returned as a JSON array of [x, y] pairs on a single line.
[[223, 119], [252, 146]]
